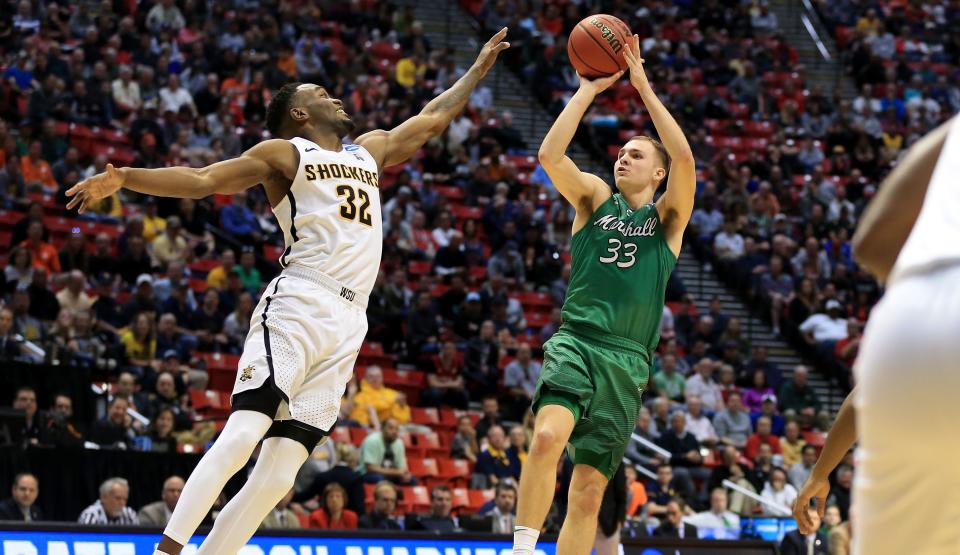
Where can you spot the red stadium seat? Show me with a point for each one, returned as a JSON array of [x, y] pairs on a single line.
[[423, 468], [456, 470], [357, 435], [425, 416], [340, 434], [461, 498], [415, 498]]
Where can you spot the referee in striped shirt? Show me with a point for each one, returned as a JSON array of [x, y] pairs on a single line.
[[111, 508]]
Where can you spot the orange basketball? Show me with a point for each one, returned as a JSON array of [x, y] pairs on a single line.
[[596, 46]]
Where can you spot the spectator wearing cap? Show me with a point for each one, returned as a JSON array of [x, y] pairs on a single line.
[[217, 277], [22, 505], [754, 395], [143, 300], [170, 246], [472, 315], [768, 408], [247, 270], [762, 435], [799, 401], [445, 386]]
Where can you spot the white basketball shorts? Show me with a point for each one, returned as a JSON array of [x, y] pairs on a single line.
[[304, 338], [907, 484]]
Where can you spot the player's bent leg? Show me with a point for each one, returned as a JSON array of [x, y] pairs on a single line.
[[579, 528], [538, 479], [244, 429], [271, 479]]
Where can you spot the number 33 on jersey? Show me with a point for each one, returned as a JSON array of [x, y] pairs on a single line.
[[620, 266], [331, 216]]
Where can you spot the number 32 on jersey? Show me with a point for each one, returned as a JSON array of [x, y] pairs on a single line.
[[349, 209], [620, 253]]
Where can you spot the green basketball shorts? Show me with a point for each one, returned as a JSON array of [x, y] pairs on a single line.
[[600, 379]]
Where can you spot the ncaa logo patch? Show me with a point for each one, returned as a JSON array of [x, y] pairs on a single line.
[[351, 148], [246, 374]]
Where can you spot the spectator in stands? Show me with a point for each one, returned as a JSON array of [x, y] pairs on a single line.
[[375, 402], [815, 543], [701, 385], [238, 220], [73, 255], [26, 400], [249, 274], [674, 526], [846, 349], [170, 246], [111, 509], [718, 516], [731, 469], [43, 254], [139, 343], [60, 429], [445, 386], [12, 344], [451, 259], [12, 184], [831, 519], [778, 288], [73, 297], [423, 326], [384, 457], [157, 514], [333, 514], [36, 172], [496, 462], [733, 424], [762, 436], [685, 457], [384, 505], [753, 397], [768, 408], [439, 519], [520, 377], [840, 492], [481, 358], [760, 361], [662, 490], [698, 424], [800, 402], [173, 97], [551, 327], [779, 492], [800, 471], [161, 430], [464, 443], [668, 381], [217, 277], [728, 244], [19, 269], [166, 395], [136, 262], [117, 428], [21, 506], [508, 263], [505, 502], [126, 93], [343, 473], [491, 416], [282, 516], [207, 323], [791, 444], [165, 16]]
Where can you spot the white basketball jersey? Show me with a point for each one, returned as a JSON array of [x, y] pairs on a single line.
[[331, 216], [935, 238]]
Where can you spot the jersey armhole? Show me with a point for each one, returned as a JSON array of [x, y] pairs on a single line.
[[591, 216]]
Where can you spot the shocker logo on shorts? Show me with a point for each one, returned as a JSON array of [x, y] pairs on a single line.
[[246, 374]]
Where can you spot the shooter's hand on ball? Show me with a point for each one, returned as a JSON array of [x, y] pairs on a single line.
[[638, 76], [598, 85]]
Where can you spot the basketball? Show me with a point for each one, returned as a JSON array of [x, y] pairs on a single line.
[[596, 46]]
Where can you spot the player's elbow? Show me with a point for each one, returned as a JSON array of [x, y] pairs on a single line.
[[548, 158], [682, 159]]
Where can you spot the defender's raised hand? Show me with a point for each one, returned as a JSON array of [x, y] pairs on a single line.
[[94, 188], [490, 51], [638, 75]]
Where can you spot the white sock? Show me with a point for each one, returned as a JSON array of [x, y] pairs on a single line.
[[272, 477], [524, 540], [229, 453]]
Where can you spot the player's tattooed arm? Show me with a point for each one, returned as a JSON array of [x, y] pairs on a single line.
[[402, 142], [260, 164]]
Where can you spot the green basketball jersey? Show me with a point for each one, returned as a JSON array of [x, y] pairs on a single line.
[[619, 270]]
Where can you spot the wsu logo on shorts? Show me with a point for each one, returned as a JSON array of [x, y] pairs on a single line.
[[246, 374]]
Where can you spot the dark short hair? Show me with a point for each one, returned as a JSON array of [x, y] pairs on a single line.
[[278, 111], [21, 476], [505, 485], [440, 488]]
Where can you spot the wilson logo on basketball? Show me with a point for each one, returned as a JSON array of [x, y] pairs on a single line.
[[608, 35]]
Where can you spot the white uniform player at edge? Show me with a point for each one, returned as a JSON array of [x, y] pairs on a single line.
[[306, 332], [906, 496]]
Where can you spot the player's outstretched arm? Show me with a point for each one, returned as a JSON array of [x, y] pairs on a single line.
[[254, 166], [676, 204], [889, 218], [840, 439], [579, 188], [399, 144]]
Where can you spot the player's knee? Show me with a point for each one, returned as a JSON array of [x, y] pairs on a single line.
[[546, 442], [236, 445], [585, 498]]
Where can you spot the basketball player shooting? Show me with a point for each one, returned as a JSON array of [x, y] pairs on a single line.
[[308, 327], [907, 485], [596, 366]]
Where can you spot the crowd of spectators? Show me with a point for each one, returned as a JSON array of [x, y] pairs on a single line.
[[783, 175]]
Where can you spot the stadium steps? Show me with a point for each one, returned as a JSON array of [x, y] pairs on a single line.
[[826, 75], [445, 23], [701, 283]]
